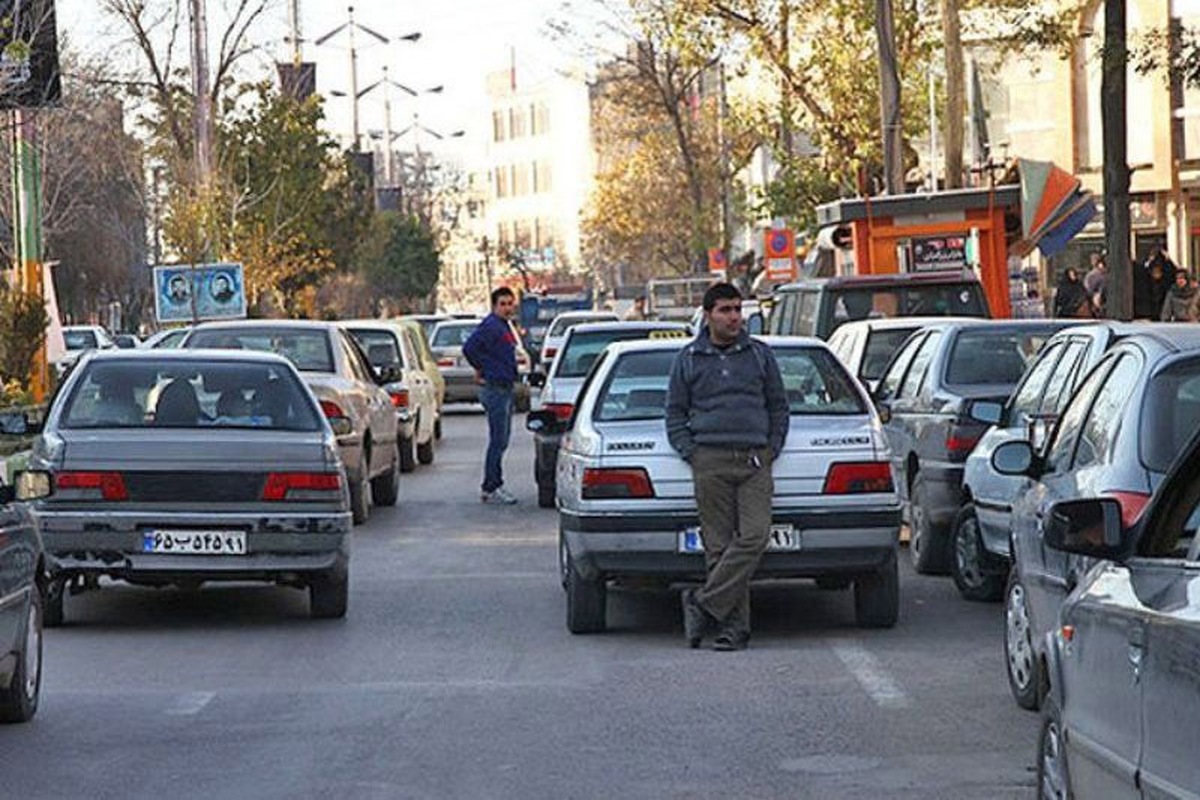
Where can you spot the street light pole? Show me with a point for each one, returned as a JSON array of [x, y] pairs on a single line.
[[203, 112], [294, 25]]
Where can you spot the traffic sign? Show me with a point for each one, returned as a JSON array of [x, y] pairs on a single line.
[[780, 243], [717, 262], [781, 269]]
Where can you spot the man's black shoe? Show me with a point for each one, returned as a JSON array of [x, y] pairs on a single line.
[[696, 621], [731, 640]]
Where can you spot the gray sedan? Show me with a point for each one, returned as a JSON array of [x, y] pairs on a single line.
[[180, 467], [22, 596]]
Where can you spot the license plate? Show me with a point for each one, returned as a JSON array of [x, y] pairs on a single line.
[[784, 538], [204, 543]]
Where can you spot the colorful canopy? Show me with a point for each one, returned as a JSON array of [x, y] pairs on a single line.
[[1054, 206]]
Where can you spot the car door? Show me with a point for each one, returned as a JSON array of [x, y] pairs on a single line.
[[910, 408], [885, 394], [18, 560], [419, 386], [376, 404]]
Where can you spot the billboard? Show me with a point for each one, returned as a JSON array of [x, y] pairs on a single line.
[[29, 74], [186, 293]]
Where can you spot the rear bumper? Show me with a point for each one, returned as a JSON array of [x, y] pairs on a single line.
[[832, 543]]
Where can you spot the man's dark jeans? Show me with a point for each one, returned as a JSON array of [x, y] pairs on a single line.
[[497, 400]]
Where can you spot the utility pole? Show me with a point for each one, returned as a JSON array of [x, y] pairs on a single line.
[[203, 110], [723, 132], [889, 98], [350, 27], [1114, 63], [27, 221], [295, 25], [955, 92]]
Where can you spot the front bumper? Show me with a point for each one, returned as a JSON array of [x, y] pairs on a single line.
[[110, 543], [841, 543]]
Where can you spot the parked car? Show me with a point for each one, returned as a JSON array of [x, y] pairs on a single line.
[[23, 580], [446, 343], [350, 394], [926, 397], [1123, 700], [80, 339], [1116, 438], [626, 502], [866, 346], [167, 339], [981, 530], [582, 346], [181, 467], [427, 321], [752, 315], [556, 334], [420, 343], [818, 306], [389, 346], [127, 341]]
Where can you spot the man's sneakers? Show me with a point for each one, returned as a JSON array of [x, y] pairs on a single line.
[[730, 639], [696, 621], [498, 497]]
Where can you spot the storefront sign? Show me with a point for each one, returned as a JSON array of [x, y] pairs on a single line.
[[938, 252]]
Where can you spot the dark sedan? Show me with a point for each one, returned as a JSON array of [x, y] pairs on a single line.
[[22, 605]]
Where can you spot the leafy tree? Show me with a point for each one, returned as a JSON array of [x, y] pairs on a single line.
[[399, 258], [23, 322]]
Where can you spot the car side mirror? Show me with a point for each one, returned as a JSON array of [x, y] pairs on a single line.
[[542, 421], [989, 412], [1090, 527], [1014, 458]]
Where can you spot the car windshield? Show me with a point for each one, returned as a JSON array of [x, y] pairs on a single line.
[[582, 349], [934, 300], [80, 340], [189, 394], [816, 382], [453, 335], [308, 348], [881, 346], [564, 324], [994, 357], [1170, 414]]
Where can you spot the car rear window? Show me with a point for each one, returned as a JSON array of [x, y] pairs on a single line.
[[637, 387], [582, 349], [452, 335], [991, 356], [560, 326], [189, 394], [80, 340], [308, 349], [932, 300], [816, 382], [881, 346], [1170, 414]]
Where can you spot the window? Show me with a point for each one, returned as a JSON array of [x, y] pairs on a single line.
[[636, 388], [895, 373], [80, 340], [516, 122], [498, 128], [561, 325], [1066, 375], [881, 345], [1104, 420], [541, 177], [356, 362], [816, 383], [806, 313], [307, 348], [521, 183], [1072, 419], [502, 182], [582, 350], [1029, 394], [452, 335], [542, 115], [993, 355], [915, 380], [781, 317], [1170, 414], [382, 347]]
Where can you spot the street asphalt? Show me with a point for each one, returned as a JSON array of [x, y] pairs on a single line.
[[454, 676]]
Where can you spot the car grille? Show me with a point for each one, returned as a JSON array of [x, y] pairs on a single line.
[[206, 487]]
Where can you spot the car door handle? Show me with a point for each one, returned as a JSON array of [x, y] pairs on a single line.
[[1137, 655]]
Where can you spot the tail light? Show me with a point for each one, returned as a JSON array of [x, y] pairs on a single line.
[[1132, 505], [860, 477], [301, 485], [338, 420], [550, 353], [961, 440], [91, 485], [399, 398], [611, 483], [562, 411], [446, 362]]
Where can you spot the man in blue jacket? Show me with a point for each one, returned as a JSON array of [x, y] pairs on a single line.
[[727, 415], [492, 351]]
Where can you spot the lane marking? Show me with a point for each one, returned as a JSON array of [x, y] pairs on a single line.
[[186, 705], [489, 541], [871, 675]]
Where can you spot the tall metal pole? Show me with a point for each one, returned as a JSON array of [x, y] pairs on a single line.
[[27, 220], [387, 132], [933, 149], [726, 210], [1114, 62], [203, 110], [889, 98], [295, 25], [354, 82]]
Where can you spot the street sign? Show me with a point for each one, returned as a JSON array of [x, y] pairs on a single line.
[[717, 262], [781, 269], [185, 293], [780, 244]]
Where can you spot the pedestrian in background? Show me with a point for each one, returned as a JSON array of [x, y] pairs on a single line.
[[1150, 287], [1095, 283], [492, 350], [1070, 298], [727, 416], [1181, 301], [636, 312]]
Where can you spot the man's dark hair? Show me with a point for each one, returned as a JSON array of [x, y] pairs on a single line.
[[503, 291], [720, 291]]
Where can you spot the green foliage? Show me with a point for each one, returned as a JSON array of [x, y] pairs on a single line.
[[23, 322], [399, 257]]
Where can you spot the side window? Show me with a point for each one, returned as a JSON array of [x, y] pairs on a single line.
[[781, 316], [354, 360], [1066, 375], [920, 366], [408, 351], [1104, 418], [806, 313], [890, 382], [1067, 432], [1025, 401]]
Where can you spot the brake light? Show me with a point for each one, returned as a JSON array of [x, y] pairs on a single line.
[[550, 353], [300, 485], [399, 398], [110, 485], [1132, 505], [613, 483], [960, 444], [331, 410], [562, 411], [446, 362], [860, 477]]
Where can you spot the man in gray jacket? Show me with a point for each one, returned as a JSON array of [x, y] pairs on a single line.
[[727, 415]]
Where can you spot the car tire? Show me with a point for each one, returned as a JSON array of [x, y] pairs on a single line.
[[360, 499], [19, 702], [586, 601], [1053, 773], [973, 582], [926, 546], [425, 452], [1020, 657], [408, 459], [563, 559], [877, 596], [329, 592], [53, 604], [545, 495], [385, 490]]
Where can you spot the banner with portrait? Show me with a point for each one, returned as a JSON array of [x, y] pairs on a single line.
[[186, 293]]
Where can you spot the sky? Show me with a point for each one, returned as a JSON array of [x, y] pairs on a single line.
[[461, 42]]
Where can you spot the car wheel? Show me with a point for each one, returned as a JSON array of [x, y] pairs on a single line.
[[360, 499], [1053, 775], [1024, 674], [586, 600], [877, 597], [425, 452], [545, 495], [926, 547], [408, 460], [967, 567], [563, 558], [329, 592], [54, 604], [19, 702], [385, 490]]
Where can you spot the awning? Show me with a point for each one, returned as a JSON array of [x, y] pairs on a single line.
[[1054, 207]]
